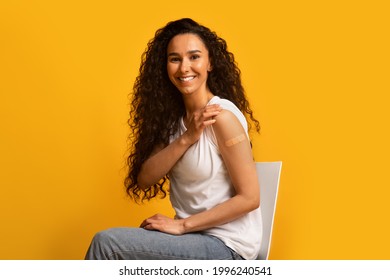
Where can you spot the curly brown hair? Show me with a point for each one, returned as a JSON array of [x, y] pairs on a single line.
[[157, 105]]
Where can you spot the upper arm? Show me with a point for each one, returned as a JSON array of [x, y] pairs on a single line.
[[236, 152]]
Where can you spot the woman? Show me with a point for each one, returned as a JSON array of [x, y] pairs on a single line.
[[188, 122]]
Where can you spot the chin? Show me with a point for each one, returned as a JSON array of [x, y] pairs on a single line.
[[186, 91]]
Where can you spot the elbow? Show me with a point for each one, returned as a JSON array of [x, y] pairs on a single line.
[[249, 203], [142, 183], [253, 203], [141, 186]]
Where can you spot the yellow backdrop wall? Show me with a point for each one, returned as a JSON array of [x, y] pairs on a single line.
[[316, 73]]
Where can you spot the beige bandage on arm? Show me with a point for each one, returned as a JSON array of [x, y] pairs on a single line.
[[235, 140]]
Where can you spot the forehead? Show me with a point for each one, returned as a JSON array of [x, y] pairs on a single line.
[[183, 43]]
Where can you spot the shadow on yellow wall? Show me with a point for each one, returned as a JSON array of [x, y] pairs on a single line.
[[315, 73]]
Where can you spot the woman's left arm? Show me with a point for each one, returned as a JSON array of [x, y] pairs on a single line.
[[237, 154]]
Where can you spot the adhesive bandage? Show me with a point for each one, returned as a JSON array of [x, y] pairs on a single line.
[[235, 140]]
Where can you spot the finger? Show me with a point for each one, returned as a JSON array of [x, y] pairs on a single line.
[[209, 122], [143, 224], [207, 115], [149, 227], [210, 112], [147, 221], [213, 107], [151, 219]]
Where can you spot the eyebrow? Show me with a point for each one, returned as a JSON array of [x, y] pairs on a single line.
[[189, 52]]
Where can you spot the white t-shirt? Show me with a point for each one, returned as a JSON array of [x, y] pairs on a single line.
[[200, 181]]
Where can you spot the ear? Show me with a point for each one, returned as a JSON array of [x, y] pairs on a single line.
[[210, 68]]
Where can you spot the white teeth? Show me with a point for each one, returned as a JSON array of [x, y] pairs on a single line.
[[186, 79]]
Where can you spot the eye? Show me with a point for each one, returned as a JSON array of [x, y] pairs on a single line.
[[174, 59], [194, 56]]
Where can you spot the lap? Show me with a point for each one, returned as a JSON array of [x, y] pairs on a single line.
[[138, 243]]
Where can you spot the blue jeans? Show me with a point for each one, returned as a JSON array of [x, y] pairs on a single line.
[[141, 244]]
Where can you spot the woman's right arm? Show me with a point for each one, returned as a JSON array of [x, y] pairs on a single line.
[[164, 158], [161, 161]]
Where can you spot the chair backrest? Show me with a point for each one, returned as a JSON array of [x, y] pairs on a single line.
[[268, 174]]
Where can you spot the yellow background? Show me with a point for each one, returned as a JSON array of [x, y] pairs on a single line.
[[317, 76]]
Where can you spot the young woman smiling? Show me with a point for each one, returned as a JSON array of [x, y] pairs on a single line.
[[189, 128]]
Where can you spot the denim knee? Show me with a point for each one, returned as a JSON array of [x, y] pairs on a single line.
[[102, 237], [101, 242]]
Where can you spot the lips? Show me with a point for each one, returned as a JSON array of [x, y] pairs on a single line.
[[186, 79]]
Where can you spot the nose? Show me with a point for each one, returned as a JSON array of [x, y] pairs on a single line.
[[185, 66]]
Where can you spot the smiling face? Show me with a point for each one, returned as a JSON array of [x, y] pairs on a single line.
[[188, 64]]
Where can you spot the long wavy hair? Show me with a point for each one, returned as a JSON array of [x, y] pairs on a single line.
[[157, 105]]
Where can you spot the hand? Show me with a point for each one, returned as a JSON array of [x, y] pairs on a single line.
[[199, 120], [164, 224]]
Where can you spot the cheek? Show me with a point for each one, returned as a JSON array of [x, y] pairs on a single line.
[[202, 67], [171, 71]]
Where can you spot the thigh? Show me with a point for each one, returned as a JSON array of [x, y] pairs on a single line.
[[141, 244]]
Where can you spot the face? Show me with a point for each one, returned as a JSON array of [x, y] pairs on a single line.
[[188, 64]]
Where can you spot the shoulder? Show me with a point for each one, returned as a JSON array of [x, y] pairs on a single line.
[[229, 115], [225, 103], [226, 117], [227, 121]]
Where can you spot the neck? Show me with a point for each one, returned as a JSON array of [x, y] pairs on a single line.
[[195, 102]]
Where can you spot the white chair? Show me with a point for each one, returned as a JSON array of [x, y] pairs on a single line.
[[269, 176]]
